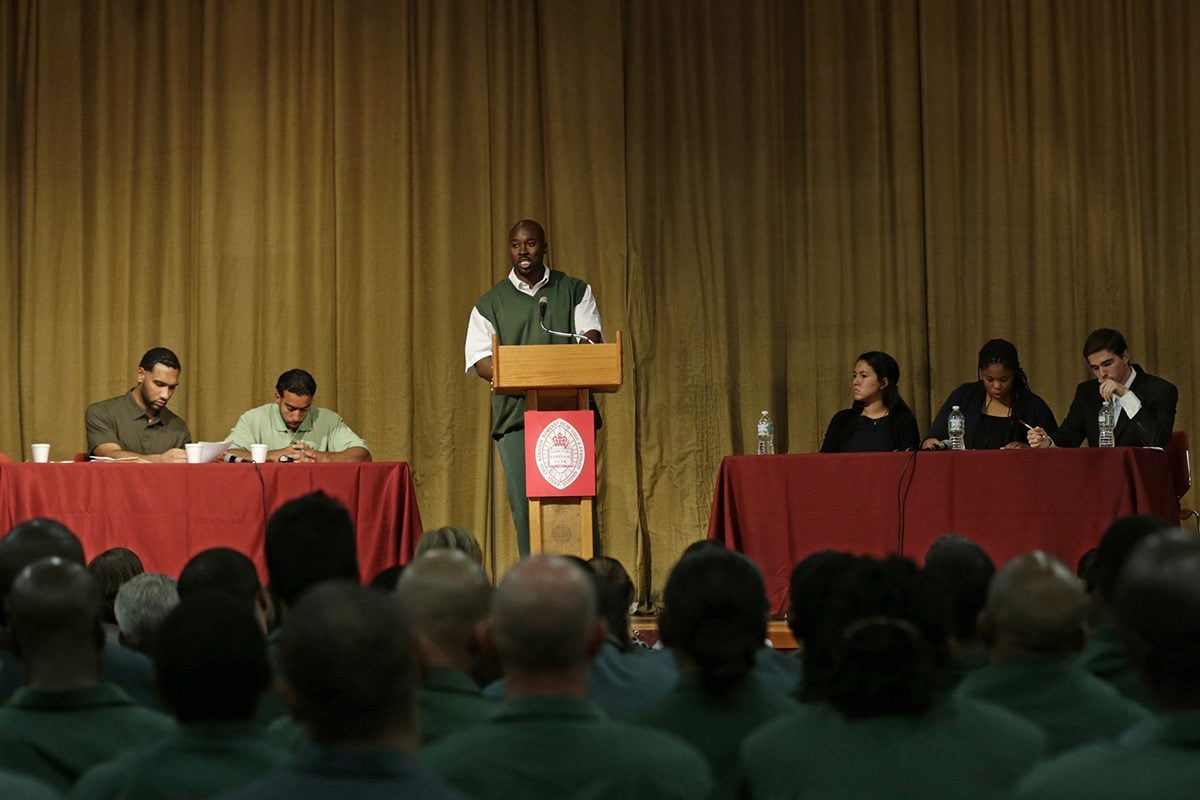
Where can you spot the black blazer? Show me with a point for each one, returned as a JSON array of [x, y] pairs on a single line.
[[1150, 428], [902, 426]]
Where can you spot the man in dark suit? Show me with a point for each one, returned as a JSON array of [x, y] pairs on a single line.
[[1145, 405]]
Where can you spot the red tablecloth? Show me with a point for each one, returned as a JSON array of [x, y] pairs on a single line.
[[778, 509], [168, 512]]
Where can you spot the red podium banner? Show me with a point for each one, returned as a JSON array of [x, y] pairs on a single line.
[[560, 454]]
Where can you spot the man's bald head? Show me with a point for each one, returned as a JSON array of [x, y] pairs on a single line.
[[531, 226], [1036, 606], [446, 595], [54, 599], [32, 541], [1158, 605], [544, 616]]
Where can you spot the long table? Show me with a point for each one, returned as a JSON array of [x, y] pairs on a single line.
[[778, 509], [168, 512]]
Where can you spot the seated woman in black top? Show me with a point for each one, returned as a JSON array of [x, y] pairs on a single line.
[[995, 406], [878, 420]]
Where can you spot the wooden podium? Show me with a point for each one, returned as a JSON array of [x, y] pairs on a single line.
[[557, 377]]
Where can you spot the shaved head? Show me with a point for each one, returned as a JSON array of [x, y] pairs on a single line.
[[1038, 606], [532, 226], [544, 615], [445, 594], [32, 541], [54, 599]]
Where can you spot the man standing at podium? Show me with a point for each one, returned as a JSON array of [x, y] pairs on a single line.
[[510, 310]]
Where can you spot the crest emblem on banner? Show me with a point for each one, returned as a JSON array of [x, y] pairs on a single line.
[[560, 454]]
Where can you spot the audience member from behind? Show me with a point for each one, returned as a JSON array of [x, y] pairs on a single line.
[[112, 569], [714, 621], [811, 584], [350, 673], [309, 540], [965, 571], [229, 572], [40, 538], [211, 662], [878, 420], [65, 719], [1104, 653], [141, 606], [1034, 624], [548, 740], [616, 597], [624, 679], [446, 596], [882, 732], [450, 537], [1158, 606]]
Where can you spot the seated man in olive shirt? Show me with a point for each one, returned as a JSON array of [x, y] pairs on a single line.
[[137, 424]]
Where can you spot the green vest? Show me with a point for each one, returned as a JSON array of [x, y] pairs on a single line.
[[514, 315]]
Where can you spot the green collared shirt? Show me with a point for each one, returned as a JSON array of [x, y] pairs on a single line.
[[957, 749], [1155, 759], [1104, 656], [717, 725], [448, 701], [200, 760], [1069, 704], [556, 746], [55, 736], [322, 428], [121, 420]]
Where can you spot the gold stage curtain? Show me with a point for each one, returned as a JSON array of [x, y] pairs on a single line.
[[757, 191]]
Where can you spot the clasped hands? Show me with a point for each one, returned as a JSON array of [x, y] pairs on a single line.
[[297, 451]]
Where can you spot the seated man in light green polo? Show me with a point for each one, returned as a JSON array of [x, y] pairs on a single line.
[[293, 429]]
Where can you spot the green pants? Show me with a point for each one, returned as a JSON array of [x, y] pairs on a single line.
[[512, 457]]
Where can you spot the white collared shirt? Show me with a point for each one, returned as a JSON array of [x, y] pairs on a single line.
[[1129, 401], [480, 330]]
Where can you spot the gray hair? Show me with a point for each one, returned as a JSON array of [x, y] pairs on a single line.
[[142, 603]]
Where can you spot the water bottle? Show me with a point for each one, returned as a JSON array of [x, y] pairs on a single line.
[[766, 435], [1105, 421], [957, 427]]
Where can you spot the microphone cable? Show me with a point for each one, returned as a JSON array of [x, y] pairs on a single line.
[[902, 496]]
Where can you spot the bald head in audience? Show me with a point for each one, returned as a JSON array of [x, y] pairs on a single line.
[[31, 541], [446, 596], [545, 628], [54, 609], [1036, 608]]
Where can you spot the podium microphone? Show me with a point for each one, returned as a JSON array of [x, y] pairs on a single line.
[[578, 337]]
